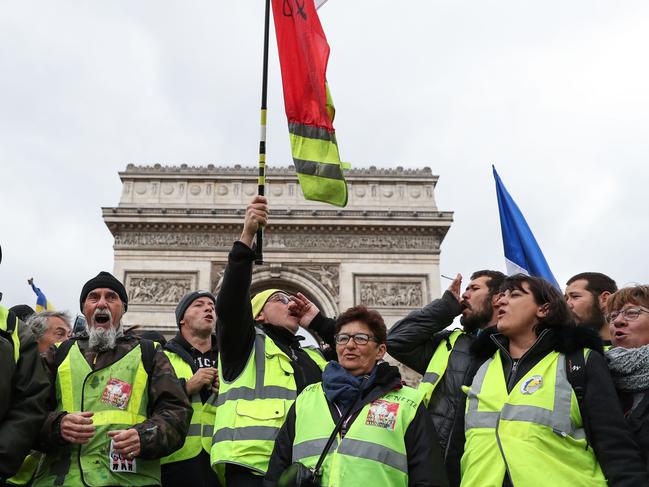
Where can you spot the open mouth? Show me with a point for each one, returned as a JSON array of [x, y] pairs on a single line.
[[102, 318], [501, 312], [209, 317]]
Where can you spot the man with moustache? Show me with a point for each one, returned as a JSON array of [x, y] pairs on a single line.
[[193, 353], [421, 342], [586, 295], [117, 405]]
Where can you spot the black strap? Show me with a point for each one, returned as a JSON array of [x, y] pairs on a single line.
[[62, 352], [339, 425], [148, 353], [576, 373]]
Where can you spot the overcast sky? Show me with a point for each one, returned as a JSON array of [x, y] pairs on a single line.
[[555, 94]]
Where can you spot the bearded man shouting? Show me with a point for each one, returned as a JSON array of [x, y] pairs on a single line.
[[117, 404]]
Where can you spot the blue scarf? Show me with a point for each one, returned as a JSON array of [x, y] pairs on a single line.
[[341, 387]]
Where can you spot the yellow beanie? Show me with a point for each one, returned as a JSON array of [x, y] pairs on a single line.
[[260, 299]]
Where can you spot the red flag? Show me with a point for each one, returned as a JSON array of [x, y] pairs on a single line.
[[303, 57]]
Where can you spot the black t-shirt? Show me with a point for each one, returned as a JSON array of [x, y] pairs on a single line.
[[201, 360]]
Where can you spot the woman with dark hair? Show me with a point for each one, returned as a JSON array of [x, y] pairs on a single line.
[[628, 360], [386, 437], [524, 424]]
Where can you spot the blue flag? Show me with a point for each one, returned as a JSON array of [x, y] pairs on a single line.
[[42, 304], [522, 253]]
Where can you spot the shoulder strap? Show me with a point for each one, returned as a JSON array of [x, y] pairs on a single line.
[[148, 352], [62, 352], [576, 373]]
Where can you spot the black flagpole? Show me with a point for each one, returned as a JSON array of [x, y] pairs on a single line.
[[259, 253]]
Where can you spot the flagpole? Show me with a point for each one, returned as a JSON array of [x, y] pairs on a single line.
[[259, 252]]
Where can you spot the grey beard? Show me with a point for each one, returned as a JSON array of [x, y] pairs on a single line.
[[102, 339]]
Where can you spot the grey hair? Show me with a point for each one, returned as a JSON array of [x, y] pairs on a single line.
[[37, 322]]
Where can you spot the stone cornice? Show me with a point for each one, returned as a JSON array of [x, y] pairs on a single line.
[[251, 171]]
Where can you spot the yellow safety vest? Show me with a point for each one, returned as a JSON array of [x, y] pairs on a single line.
[[373, 451], [252, 408], [535, 432], [118, 397], [10, 329], [437, 365], [202, 417]]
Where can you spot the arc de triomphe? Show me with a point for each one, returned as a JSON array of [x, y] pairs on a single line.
[[174, 226]]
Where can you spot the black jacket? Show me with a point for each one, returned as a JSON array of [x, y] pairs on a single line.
[[413, 341], [609, 436], [425, 466], [23, 397], [236, 327], [638, 420]]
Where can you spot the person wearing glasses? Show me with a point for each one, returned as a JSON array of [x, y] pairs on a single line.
[[262, 366], [387, 437], [628, 361], [529, 418]]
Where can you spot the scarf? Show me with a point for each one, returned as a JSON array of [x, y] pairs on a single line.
[[341, 387], [629, 368]]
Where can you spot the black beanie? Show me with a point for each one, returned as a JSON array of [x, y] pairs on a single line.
[[189, 299], [107, 280], [22, 311]]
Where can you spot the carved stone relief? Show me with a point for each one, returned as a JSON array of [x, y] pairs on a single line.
[[312, 241], [158, 288], [388, 291], [327, 275]]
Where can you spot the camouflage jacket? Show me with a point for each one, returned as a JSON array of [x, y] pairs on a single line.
[[169, 410]]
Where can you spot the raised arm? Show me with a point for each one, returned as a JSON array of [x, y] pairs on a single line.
[[235, 325]]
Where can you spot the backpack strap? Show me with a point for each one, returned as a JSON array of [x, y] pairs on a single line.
[[148, 354], [576, 373], [62, 352]]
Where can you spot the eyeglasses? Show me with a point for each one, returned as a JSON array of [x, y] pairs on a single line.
[[359, 338], [282, 298], [628, 314]]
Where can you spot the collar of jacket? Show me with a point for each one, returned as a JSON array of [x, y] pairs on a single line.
[[281, 335], [182, 342], [562, 339]]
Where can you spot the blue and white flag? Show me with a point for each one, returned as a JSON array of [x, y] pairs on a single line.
[[522, 253]]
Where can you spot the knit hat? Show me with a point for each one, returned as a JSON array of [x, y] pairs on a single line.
[[260, 299], [22, 311], [187, 300], [107, 280]]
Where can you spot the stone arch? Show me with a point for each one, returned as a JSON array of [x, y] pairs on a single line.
[[293, 281]]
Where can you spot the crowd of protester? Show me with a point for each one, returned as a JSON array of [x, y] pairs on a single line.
[[534, 388]]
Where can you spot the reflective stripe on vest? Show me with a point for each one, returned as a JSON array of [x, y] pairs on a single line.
[[193, 441], [437, 365], [373, 451], [528, 432], [253, 407], [105, 393], [4, 326]]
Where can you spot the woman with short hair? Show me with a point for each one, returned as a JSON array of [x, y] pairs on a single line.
[[524, 425], [628, 317], [386, 438]]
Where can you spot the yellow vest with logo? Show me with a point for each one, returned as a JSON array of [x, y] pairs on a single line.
[[535, 432], [252, 408], [373, 451], [105, 393], [437, 365], [202, 417]]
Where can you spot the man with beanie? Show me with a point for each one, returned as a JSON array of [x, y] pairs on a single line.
[[193, 353], [117, 405], [262, 366]]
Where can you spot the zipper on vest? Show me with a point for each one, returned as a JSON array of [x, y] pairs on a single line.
[[502, 454]]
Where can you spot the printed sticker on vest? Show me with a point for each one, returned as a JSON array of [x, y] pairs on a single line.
[[531, 384], [117, 393], [120, 463], [383, 414]]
